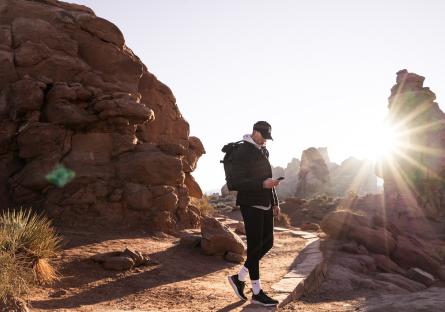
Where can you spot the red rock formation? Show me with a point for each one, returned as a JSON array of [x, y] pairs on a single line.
[[313, 177], [414, 176], [72, 92]]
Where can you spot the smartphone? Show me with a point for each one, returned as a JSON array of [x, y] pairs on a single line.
[[280, 178]]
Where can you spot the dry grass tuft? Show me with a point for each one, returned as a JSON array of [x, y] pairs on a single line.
[[27, 241]]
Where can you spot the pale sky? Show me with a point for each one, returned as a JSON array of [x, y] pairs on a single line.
[[318, 71]]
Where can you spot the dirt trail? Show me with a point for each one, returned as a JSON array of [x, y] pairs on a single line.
[[183, 280]]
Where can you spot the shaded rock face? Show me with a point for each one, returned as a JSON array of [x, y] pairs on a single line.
[[382, 237], [414, 176], [72, 92], [313, 177]]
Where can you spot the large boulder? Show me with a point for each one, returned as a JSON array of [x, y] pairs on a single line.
[[73, 94]]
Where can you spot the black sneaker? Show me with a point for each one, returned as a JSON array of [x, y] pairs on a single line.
[[238, 286], [264, 299]]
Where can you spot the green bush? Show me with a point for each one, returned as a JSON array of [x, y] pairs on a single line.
[[27, 242]]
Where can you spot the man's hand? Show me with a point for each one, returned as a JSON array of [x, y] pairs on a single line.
[[270, 183], [276, 211]]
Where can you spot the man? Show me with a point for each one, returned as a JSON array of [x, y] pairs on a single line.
[[252, 178]]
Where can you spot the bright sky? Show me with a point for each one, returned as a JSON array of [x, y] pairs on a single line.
[[318, 71]]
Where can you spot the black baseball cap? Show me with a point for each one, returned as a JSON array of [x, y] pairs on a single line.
[[264, 128]]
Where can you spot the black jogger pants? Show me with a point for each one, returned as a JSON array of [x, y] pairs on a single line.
[[259, 233]]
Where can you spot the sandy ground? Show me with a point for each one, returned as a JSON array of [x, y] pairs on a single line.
[[183, 280]]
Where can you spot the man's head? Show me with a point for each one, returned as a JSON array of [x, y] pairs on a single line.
[[262, 131]]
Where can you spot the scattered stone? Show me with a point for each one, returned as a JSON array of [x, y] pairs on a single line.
[[420, 276], [118, 263], [137, 257]]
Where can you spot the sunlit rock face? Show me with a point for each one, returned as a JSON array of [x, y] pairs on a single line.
[[354, 175], [313, 177], [72, 93], [414, 173]]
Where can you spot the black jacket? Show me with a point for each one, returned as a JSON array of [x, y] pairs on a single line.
[[250, 168]]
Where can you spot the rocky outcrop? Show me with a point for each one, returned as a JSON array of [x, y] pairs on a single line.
[[381, 237], [414, 175], [72, 93], [313, 177]]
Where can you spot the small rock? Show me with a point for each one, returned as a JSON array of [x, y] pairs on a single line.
[[137, 257], [102, 257], [118, 263], [234, 257], [420, 276]]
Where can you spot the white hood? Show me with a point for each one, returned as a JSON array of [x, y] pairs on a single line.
[[248, 138]]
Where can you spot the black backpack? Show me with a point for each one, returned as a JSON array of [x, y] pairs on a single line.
[[228, 149]]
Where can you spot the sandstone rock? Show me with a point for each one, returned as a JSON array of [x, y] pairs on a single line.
[[138, 196], [119, 263], [39, 139], [432, 299], [72, 92], [193, 187], [101, 28], [8, 73], [125, 108], [149, 168], [353, 247], [385, 264], [338, 223], [313, 177], [420, 276], [25, 95], [407, 255], [219, 239], [376, 240], [401, 281], [38, 30], [234, 257]]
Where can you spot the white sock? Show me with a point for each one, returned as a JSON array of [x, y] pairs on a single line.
[[242, 275], [256, 286]]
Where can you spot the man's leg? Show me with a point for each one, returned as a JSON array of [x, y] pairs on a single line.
[[253, 223], [267, 232]]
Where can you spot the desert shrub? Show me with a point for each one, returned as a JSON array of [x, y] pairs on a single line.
[[27, 242], [203, 205]]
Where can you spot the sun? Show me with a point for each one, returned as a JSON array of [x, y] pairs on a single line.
[[381, 142], [387, 142]]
